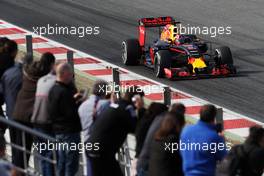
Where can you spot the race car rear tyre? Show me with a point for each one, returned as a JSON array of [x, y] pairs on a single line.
[[224, 55], [131, 52], [161, 61]]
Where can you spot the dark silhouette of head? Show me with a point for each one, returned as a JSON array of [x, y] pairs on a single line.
[[10, 47], [47, 62], [208, 113], [3, 41], [256, 136], [155, 109], [100, 88], [172, 124], [178, 108]]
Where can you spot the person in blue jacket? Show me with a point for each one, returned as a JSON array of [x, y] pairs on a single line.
[[201, 146]]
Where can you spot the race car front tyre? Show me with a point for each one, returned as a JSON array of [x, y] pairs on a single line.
[[224, 56], [131, 52], [161, 61]]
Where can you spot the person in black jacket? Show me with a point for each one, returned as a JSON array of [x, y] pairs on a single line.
[[254, 145], [163, 160], [110, 132], [63, 112], [246, 159]]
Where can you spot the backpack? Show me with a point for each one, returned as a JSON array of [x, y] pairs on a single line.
[[235, 163]]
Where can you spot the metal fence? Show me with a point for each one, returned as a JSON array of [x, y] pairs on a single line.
[[33, 170], [29, 170]]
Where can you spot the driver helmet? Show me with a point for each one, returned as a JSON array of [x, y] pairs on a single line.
[[169, 33]]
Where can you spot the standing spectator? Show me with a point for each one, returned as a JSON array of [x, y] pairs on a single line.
[[164, 161], [23, 109], [143, 159], [202, 162], [88, 109], [245, 159], [143, 124], [11, 83], [88, 112], [63, 111], [110, 131], [141, 110], [254, 151], [40, 118], [8, 52]]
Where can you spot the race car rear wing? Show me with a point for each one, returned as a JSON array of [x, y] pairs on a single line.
[[156, 22], [152, 22]]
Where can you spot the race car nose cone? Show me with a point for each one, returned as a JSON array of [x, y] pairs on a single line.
[[199, 64]]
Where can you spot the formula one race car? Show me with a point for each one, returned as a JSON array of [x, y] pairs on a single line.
[[176, 55]]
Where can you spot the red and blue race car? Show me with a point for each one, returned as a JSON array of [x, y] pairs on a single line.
[[176, 55]]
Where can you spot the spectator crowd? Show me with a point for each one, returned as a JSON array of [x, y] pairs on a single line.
[[42, 95]]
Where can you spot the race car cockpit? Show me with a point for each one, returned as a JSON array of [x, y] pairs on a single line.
[[171, 34]]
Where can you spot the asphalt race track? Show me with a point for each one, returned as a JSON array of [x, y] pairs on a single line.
[[117, 20]]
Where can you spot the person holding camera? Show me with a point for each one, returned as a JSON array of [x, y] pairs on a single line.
[[199, 160]]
